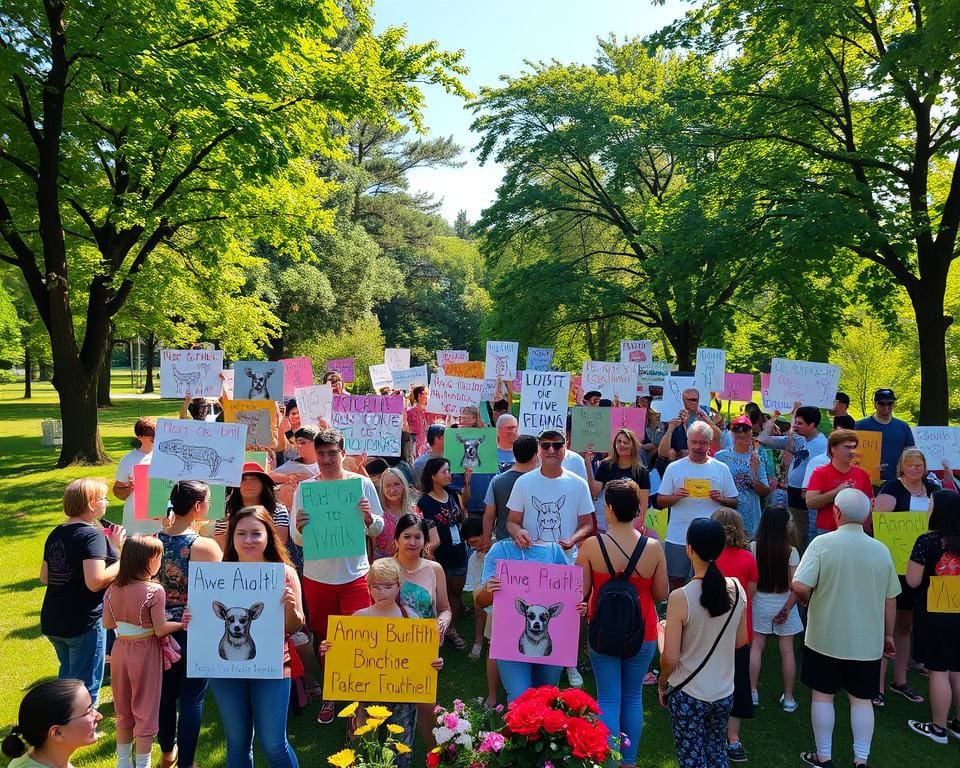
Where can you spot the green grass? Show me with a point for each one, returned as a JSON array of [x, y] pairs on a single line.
[[30, 492]]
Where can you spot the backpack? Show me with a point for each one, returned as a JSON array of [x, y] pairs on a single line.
[[616, 628]]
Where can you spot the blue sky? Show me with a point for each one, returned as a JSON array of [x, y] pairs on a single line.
[[497, 36]]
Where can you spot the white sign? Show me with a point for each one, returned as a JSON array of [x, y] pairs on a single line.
[[226, 382], [396, 359], [381, 376], [939, 444], [636, 352], [408, 378], [315, 403], [543, 404], [672, 402], [258, 380], [445, 356], [236, 620], [199, 450], [193, 372], [539, 358], [611, 380], [801, 381], [501, 360], [711, 366], [451, 394], [652, 374]]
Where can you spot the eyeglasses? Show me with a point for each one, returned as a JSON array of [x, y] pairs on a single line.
[[549, 445], [741, 428], [885, 403], [91, 710]]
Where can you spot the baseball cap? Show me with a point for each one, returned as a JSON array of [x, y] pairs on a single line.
[[554, 433], [842, 397], [884, 394], [745, 420]]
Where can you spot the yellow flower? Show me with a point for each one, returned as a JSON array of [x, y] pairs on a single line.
[[348, 710], [365, 728], [401, 748], [343, 759], [379, 712], [375, 722], [394, 728]]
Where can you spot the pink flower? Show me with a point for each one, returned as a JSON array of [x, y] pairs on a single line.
[[492, 742], [450, 720]]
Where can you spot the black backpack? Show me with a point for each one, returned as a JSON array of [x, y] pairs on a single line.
[[616, 628]]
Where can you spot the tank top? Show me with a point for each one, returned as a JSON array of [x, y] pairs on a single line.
[[175, 570], [647, 608], [419, 597]]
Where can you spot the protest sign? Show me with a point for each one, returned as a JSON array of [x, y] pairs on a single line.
[[576, 390], [636, 352], [738, 387], [652, 375], [226, 383], [335, 528], [468, 369], [345, 366], [449, 395], [535, 617], [501, 360], [374, 658], [257, 457], [517, 383], [396, 359], [612, 380], [408, 378], [297, 372], [769, 403], [939, 444], [711, 366], [473, 447], [445, 356], [543, 404], [381, 377], [634, 419], [191, 372], [151, 497], [809, 383], [370, 424], [315, 403], [539, 358], [671, 403], [589, 428], [867, 455], [236, 620], [898, 531], [259, 416], [656, 520], [943, 595], [698, 488], [258, 380], [199, 450]]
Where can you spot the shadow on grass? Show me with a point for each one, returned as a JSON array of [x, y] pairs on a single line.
[[22, 586], [24, 633]]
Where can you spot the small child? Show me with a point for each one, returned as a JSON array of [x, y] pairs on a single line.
[[137, 611], [472, 530]]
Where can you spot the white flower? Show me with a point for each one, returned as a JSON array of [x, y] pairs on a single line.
[[465, 740], [442, 734]]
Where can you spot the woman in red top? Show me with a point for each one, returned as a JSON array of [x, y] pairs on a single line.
[[620, 680], [417, 418]]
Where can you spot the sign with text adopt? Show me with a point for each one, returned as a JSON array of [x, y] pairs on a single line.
[[809, 383], [939, 444], [539, 358], [711, 366], [335, 527], [611, 380], [191, 372], [199, 450], [501, 360], [636, 352], [370, 424], [297, 372], [543, 404]]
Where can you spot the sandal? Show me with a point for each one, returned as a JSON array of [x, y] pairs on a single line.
[[476, 652], [170, 762], [456, 641], [810, 758]]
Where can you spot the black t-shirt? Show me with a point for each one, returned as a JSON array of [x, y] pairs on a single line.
[[452, 552], [607, 471], [899, 491], [69, 608]]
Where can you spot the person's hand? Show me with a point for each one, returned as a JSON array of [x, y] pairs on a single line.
[[522, 539], [684, 417], [946, 465], [754, 462], [781, 616], [302, 519], [186, 618], [284, 425], [843, 486], [565, 544], [364, 506], [288, 599], [493, 584], [467, 474], [323, 423], [115, 535], [681, 493], [486, 543], [675, 422], [889, 647], [582, 608], [775, 415], [323, 647], [442, 627], [662, 696], [715, 496], [437, 663], [796, 406], [588, 455]]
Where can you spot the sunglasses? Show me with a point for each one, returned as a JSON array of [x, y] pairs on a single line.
[[887, 403], [552, 445], [741, 428]]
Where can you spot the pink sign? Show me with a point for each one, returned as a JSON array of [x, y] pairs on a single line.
[[368, 404], [297, 372], [634, 419], [737, 386], [345, 367], [141, 492], [535, 612]]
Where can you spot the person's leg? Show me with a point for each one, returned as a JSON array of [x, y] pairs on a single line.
[[192, 693], [544, 674], [269, 700], [169, 694], [686, 720], [609, 676], [940, 695], [788, 664], [455, 594], [86, 659], [61, 647], [426, 720], [678, 565], [902, 637], [756, 659], [861, 723], [516, 677], [493, 682], [479, 620], [404, 715], [716, 719], [236, 714], [631, 700], [822, 717]]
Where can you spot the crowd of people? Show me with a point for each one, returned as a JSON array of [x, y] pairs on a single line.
[[768, 535]]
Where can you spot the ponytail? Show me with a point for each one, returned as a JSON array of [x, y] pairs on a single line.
[[713, 591], [707, 539], [45, 705]]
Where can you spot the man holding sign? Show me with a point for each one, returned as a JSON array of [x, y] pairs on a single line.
[[827, 481], [334, 583], [896, 433]]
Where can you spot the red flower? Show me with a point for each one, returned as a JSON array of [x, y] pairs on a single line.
[[554, 721], [545, 695], [433, 759], [524, 718], [578, 701], [588, 740]]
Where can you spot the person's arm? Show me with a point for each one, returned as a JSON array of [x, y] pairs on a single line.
[[673, 633], [442, 602], [668, 500], [889, 619], [742, 626], [595, 485], [914, 576], [205, 550], [820, 499], [122, 490], [884, 503], [583, 560], [44, 573], [489, 518], [584, 529], [433, 541], [664, 449], [97, 575], [660, 586], [185, 407], [109, 622], [465, 496], [801, 591], [158, 616], [293, 616], [515, 528]]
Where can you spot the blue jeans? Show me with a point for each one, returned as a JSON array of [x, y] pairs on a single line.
[[81, 657], [620, 695], [187, 692], [518, 676], [255, 705]]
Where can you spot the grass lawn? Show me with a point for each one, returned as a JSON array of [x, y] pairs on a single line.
[[30, 493]]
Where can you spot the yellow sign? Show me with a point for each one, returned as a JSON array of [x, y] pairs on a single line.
[[260, 416], [698, 488], [867, 455], [898, 531], [656, 520], [380, 659], [943, 596], [471, 369]]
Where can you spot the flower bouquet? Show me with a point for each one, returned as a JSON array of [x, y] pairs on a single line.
[[370, 752]]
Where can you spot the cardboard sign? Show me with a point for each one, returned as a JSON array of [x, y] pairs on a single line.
[[769, 404], [335, 528], [737, 387], [656, 520], [501, 360], [867, 455], [199, 450], [192, 372], [449, 395], [259, 416], [898, 531], [535, 613], [151, 496], [258, 380], [636, 352], [315, 403], [297, 372], [543, 404], [672, 402], [468, 369], [370, 424], [634, 419], [711, 367], [803, 381], [345, 366], [699, 488], [447, 356], [381, 377], [257, 457], [473, 447], [236, 620], [409, 378], [380, 659], [226, 383], [576, 390], [938, 444], [943, 595], [612, 380], [652, 374], [539, 358], [396, 358], [589, 428]]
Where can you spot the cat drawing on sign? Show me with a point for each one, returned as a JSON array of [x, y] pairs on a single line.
[[194, 454], [190, 382], [548, 518], [501, 366], [258, 429]]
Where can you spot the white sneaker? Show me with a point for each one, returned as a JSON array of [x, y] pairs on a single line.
[[575, 678], [789, 705], [755, 697]]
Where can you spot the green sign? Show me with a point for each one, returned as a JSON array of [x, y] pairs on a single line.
[[590, 429], [335, 528], [474, 447]]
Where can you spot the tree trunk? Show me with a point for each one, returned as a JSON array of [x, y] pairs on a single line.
[[151, 345], [78, 411], [28, 374], [932, 334], [684, 340], [103, 378]]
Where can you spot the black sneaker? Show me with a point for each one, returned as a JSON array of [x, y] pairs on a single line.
[[908, 692], [810, 758], [933, 732], [736, 753], [953, 728]]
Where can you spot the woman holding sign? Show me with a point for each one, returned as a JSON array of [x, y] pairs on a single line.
[[622, 463], [249, 706], [417, 418]]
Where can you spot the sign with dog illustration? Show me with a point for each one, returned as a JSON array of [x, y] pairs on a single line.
[[199, 450], [260, 418], [501, 360], [535, 617], [236, 620], [258, 380], [471, 448], [193, 372]]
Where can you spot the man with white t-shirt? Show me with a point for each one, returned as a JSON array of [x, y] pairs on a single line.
[[145, 429], [675, 492]]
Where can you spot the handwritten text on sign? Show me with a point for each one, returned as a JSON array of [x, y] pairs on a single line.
[[199, 450], [543, 404], [867, 454], [345, 366], [939, 444], [501, 360], [445, 356], [738, 387], [943, 596], [192, 372], [451, 394], [336, 525], [612, 380], [396, 359], [711, 366], [408, 378], [636, 351], [802, 381], [372, 658], [260, 416], [297, 372], [315, 403], [539, 358], [589, 428], [370, 424], [898, 531], [652, 374]]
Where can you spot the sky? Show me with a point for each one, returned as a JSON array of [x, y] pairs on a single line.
[[497, 36]]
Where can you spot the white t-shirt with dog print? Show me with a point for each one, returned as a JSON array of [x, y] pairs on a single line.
[[551, 505]]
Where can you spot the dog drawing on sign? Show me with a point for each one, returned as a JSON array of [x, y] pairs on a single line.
[[535, 640], [259, 389], [501, 367], [548, 518], [471, 451], [190, 382], [237, 643], [258, 426], [193, 454]]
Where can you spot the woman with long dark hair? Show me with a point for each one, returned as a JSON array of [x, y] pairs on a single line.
[[256, 488]]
